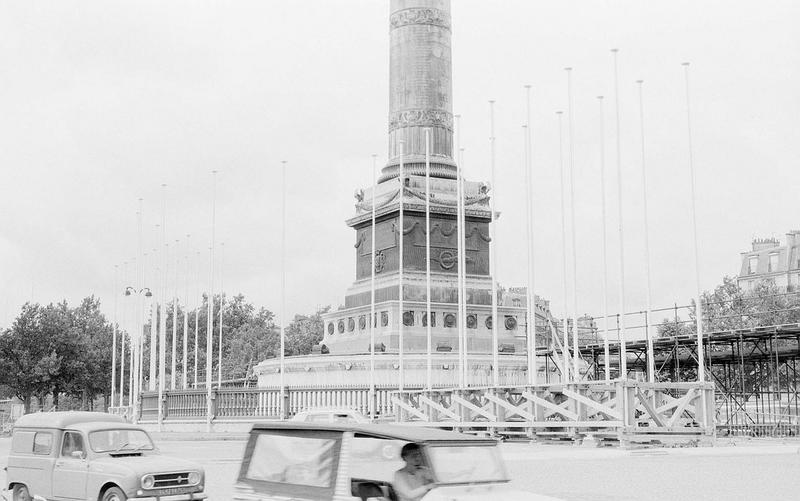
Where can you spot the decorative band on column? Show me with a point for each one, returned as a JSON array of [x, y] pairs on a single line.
[[420, 118], [429, 16]]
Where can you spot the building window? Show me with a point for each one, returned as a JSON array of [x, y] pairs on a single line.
[[752, 265], [773, 263], [408, 318]]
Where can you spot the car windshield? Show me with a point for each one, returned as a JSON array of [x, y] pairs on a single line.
[[114, 440], [466, 463], [298, 460]]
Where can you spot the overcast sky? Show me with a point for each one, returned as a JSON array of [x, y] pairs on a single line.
[[102, 102]]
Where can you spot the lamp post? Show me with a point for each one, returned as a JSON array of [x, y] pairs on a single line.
[[136, 363]]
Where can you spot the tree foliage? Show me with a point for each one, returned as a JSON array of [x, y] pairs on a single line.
[[55, 350], [728, 307], [59, 351]]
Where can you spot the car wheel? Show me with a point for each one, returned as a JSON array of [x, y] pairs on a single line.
[[21, 493], [114, 494]]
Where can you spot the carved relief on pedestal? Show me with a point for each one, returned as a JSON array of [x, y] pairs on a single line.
[[447, 259], [380, 261], [434, 17], [420, 118]]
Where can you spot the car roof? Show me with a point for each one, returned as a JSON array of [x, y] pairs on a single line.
[[396, 432], [329, 410], [63, 420]]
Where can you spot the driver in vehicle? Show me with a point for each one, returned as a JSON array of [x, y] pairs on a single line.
[[414, 480]]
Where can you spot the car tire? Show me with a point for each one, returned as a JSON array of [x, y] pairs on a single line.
[[20, 493], [114, 494]]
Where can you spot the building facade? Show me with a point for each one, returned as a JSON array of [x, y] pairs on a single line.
[[769, 260]]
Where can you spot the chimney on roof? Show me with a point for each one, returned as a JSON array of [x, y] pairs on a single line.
[[793, 238], [765, 243]]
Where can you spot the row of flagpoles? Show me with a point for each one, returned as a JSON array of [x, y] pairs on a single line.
[[571, 368], [151, 306]]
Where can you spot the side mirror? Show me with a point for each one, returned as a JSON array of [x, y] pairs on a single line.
[[77, 454]]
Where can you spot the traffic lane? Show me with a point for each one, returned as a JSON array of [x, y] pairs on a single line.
[[575, 473], [219, 458], [713, 473]]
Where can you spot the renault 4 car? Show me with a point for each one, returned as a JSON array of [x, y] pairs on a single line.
[[350, 461], [94, 456]]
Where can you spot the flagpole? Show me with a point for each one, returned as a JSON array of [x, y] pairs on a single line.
[[132, 342], [531, 293], [115, 291], [372, 319], [151, 383], [283, 291], [576, 353], [221, 312], [162, 331], [429, 371], [122, 341], [701, 369], [198, 303], [606, 348], [152, 376], [564, 289], [623, 353], [154, 314], [185, 378], [462, 223], [173, 362], [459, 268], [651, 367], [210, 315], [139, 319], [492, 249], [401, 226]]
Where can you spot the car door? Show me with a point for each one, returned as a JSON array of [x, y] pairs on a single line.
[[70, 473]]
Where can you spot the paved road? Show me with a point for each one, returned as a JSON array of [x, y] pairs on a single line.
[[749, 471]]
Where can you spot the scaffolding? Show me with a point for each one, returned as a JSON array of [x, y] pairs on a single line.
[[752, 363]]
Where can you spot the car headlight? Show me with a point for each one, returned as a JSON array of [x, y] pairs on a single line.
[[194, 477], [148, 482]]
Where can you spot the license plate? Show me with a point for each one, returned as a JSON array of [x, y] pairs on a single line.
[[171, 491]]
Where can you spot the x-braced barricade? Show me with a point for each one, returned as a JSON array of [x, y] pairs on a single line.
[[625, 412]]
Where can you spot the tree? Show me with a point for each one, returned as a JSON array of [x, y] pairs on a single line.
[[728, 307], [304, 332], [254, 341], [93, 336], [29, 362]]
